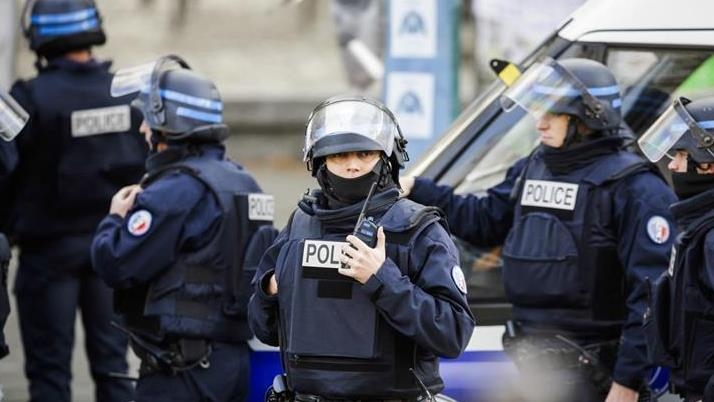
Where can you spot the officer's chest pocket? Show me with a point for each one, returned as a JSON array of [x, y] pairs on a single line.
[[541, 264], [330, 315]]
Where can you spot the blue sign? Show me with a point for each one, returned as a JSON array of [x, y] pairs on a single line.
[[421, 68]]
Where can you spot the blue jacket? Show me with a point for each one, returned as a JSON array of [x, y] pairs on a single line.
[[181, 248], [340, 339], [632, 221]]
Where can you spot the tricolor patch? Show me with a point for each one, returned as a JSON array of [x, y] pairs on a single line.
[[458, 276], [658, 229], [139, 222]]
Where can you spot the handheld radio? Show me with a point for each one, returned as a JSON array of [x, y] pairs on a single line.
[[366, 229]]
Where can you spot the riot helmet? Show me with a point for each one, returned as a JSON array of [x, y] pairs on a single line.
[[12, 117], [350, 124], [55, 27], [685, 125], [175, 100], [582, 88]]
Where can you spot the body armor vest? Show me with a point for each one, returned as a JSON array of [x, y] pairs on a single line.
[[204, 294], [680, 322], [336, 344], [84, 146], [560, 258]]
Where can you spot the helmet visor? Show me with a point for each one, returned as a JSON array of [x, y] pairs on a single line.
[[664, 135], [132, 79], [137, 78], [540, 89], [350, 116], [12, 117]]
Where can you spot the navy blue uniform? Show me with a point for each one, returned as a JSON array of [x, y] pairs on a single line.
[[577, 247], [173, 262], [681, 329], [343, 340], [79, 147]]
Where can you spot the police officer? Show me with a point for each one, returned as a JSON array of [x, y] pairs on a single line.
[[77, 150], [360, 314], [583, 223], [175, 246], [680, 326]]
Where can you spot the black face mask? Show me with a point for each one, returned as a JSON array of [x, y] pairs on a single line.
[[687, 185], [341, 192]]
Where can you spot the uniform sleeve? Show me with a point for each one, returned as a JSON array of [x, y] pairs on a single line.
[[432, 310], [263, 308], [646, 234], [174, 212], [482, 221]]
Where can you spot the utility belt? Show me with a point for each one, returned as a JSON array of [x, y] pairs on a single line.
[[169, 357], [595, 361]]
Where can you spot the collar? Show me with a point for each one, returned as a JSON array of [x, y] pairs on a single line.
[[178, 152], [62, 63], [560, 161], [690, 210], [315, 204]]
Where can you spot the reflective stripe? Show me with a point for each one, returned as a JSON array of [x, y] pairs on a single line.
[[69, 29], [198, 115], [570, 91], [62, 18], [616, 102], [192, 100]]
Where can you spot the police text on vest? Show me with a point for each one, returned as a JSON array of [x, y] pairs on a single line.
[[113, 119], [549, 194], [322, 254], [261, 207]]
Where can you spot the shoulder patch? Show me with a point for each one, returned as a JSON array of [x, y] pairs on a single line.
[[658, 229], [139, 222], [458, 276]]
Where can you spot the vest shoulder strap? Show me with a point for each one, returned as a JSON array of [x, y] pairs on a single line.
[[616, 167]]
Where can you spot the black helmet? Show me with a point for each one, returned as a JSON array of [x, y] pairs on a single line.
[[55, 27], [350, 124], [685, 125], [578, 87], [175, 100]]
